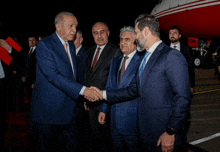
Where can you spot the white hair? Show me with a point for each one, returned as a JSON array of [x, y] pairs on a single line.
[[59, 17], [127, 29]]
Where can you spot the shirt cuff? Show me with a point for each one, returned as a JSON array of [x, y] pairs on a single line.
[[82, 90], [104, 95]]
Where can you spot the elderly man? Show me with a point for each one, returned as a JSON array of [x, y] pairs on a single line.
[[96, 74], [53, 103], [163, 84], [124, 128]]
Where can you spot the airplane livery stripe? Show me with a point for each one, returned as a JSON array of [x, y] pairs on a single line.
[[186, 7]]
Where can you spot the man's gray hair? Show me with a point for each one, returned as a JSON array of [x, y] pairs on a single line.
[[59, 17], [127, 29]]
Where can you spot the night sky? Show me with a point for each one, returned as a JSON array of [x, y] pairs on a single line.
[[24, 19]]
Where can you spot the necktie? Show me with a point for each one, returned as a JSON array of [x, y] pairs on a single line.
[[95, 59], [30, 52], [142, 66], [174, 46], [65, 47], [122, 68]]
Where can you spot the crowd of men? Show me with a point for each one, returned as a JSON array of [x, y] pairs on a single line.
[[141, 107]]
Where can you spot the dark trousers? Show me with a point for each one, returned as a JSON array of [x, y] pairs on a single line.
[[101, 134], [124, 143], [50, 138]]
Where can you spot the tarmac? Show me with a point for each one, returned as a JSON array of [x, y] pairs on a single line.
[[204, 131]]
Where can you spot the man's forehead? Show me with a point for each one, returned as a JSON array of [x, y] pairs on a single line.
[[70, 19], [99, 27], [127, 34], [174, 31]]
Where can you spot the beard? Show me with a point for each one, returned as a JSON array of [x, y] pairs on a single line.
[[173, 40], [141, 43]]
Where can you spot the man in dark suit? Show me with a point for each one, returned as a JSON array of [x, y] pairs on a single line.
[[124, 123], [83, 116], [163, 84], [174, 36], [96, 74], [81, 55], [30, 67], [53, 103]]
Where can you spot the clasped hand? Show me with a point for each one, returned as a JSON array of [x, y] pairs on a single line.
[[93, 94]]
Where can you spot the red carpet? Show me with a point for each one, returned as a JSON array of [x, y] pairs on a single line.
[[17, 136]]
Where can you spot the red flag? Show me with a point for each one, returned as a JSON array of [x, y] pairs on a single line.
[[192, 42], [4, 56], [13, 44]]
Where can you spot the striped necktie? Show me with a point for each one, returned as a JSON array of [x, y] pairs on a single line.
[[122, 71]]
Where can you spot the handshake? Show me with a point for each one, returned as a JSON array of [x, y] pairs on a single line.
[[93, 94]]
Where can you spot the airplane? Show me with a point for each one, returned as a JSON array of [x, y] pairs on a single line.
[[197, 19]]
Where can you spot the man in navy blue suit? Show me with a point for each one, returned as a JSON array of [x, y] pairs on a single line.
[[53, 104], [163, 84], [124, 124]]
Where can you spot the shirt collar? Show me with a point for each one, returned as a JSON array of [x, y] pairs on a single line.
[[62, 41], [153, 47], [177, 46], [77, 50], [102, 47], [131, 54]]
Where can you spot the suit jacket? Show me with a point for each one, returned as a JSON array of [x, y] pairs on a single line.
[[30, 70], [123, 114], [99, 76], [187, 53], [55, 90], [81, 63], [165, 95]]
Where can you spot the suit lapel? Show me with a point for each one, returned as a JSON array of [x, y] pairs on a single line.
[[118, 63], [130, 69], [103, 56], [62, 53], [90, 57], [73, 56], [151, 63]]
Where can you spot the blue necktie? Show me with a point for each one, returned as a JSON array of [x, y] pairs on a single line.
[[142, 66]]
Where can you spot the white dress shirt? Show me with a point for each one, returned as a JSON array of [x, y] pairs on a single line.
[[177, 46], [77, 50]]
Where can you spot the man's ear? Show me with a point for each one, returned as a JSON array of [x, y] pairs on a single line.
[[146, 31], [81, 40], [58, 26]]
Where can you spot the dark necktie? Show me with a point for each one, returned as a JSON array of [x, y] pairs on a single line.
[[30, 52], [122, 68], [95, 59], [174, 46], [142, 66]]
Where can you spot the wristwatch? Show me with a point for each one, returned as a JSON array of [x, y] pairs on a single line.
[[170, 131]]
